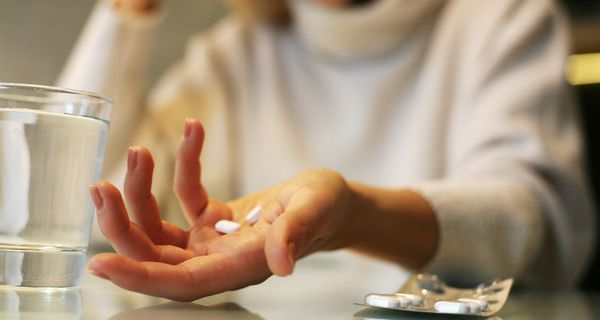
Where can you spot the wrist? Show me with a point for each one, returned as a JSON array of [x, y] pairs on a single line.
[[353, 229], [393, 224]]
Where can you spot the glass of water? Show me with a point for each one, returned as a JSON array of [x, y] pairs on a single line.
[[52, 144]]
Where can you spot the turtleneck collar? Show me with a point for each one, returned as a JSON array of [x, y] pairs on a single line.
[[360, 32]]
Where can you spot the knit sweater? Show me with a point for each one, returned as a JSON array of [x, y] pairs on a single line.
[[462, 101]]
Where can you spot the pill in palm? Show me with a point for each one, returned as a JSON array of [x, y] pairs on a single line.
[[254, 214], [227, 226]]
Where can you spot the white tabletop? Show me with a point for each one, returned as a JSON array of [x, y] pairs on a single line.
[[320, 288]]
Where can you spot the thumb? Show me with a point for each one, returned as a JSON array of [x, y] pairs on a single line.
[[291, 236]]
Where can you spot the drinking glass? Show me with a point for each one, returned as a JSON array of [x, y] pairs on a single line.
[[52, 143]]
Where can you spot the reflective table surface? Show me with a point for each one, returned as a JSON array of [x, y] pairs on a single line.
[[319, 289]]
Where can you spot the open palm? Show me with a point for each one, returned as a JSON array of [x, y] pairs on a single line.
[[155, 257]]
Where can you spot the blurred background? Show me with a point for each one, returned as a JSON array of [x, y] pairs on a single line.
[[36, 37]]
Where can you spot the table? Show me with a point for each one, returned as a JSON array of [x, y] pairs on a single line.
[[319, 289]]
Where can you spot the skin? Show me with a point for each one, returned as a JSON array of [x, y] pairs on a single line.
[[316, 210]]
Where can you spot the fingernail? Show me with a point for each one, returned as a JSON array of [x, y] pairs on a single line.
[[96, 196], [131, 159], [99, 274], [188, 127]]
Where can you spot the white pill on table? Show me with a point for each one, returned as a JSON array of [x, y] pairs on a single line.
[[480, 302], [415, 300], [386, 301], [227, 226], [452, 307], [254, 214]]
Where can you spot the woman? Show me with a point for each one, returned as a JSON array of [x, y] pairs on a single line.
[[446, 124]]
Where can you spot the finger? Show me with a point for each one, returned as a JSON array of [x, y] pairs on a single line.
[[173, 255], [215, 210], [126, 237], [143, 206], [291, 234], [193, 279], [187, 186], [272, 211]]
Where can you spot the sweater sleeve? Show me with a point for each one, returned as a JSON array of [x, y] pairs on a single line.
[[111, 57], [514, 202]]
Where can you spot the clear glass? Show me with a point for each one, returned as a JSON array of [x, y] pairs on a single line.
[[52, 143]]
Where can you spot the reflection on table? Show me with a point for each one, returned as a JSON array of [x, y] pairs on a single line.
[[34, 304], [301, 296]]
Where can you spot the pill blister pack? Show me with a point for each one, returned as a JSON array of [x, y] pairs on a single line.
[[427, 293]]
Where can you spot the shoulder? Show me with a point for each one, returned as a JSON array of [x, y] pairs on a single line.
[[496, 26], [229, 33], [487, 13], [227, 51], [228, 40], [485, 40], [201, 65]]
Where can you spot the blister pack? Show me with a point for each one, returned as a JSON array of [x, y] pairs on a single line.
[[429, 294]]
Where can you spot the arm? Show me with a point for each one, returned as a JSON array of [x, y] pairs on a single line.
[[396, 225], [111, 58], [514, 202], [317, 210]]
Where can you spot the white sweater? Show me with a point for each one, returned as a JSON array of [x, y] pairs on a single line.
[[462, 101]]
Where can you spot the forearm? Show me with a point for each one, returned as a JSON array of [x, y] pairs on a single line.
[[111, 58], [112, 51], [396, 225]]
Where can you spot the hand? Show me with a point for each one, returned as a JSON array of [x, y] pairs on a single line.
[[300, 216]]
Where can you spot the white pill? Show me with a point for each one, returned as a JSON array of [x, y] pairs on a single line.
[[254, 214], [403, 301], [480, 302], [414, 299], [473, 307], [452, 307], [227, 226], [386, 301]]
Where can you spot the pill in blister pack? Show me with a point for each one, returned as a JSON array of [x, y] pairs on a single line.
[[429, 294], [452, 307], [481, 303], [415, 300], [386, 301], [393, 301]]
